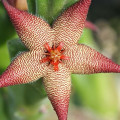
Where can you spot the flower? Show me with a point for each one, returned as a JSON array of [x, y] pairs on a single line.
[[54, 53]]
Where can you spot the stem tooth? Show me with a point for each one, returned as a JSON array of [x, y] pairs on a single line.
[[46, 59], [60, 46], [47, 47]]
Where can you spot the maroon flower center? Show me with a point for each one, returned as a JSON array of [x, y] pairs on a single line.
[[54, 55]]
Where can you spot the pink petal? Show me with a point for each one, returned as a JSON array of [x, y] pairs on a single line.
[[85, 60], [24, 69], [11, 2], [33, 31], [58, 87], [70, 24], [91, 26]]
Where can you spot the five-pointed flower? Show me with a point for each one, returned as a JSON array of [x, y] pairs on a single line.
[[54, 53]]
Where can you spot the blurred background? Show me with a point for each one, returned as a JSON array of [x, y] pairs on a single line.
[[93, 97]]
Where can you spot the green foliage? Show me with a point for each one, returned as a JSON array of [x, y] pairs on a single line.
[[31, 6], [48, 9], [42, 8], [2, 108], [15, 47], [6, 32]]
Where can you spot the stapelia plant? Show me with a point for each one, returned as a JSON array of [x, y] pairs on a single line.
[[53, 53]]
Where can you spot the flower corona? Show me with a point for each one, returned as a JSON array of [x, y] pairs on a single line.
[[54, 55]]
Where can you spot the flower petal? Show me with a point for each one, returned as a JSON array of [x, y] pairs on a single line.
[[33, 31], [24, 69], [91, 26], [70, 24], [58, 87], [85, 60], [11, 2]]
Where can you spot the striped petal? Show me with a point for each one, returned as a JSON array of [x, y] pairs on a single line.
[[24, 69], [85, 60], [33, 31], [58, 88], [70, 24]]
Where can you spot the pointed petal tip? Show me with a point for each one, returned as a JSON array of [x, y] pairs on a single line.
[[61, 108], [1, 82], [32, 30], [116, 69], [4, 82], [8, 2], [85, 60], [24, 69], [7, 80], [104, 64], [70, 24], [58, 88]]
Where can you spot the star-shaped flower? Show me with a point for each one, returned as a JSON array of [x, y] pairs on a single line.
[[54, 53]]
